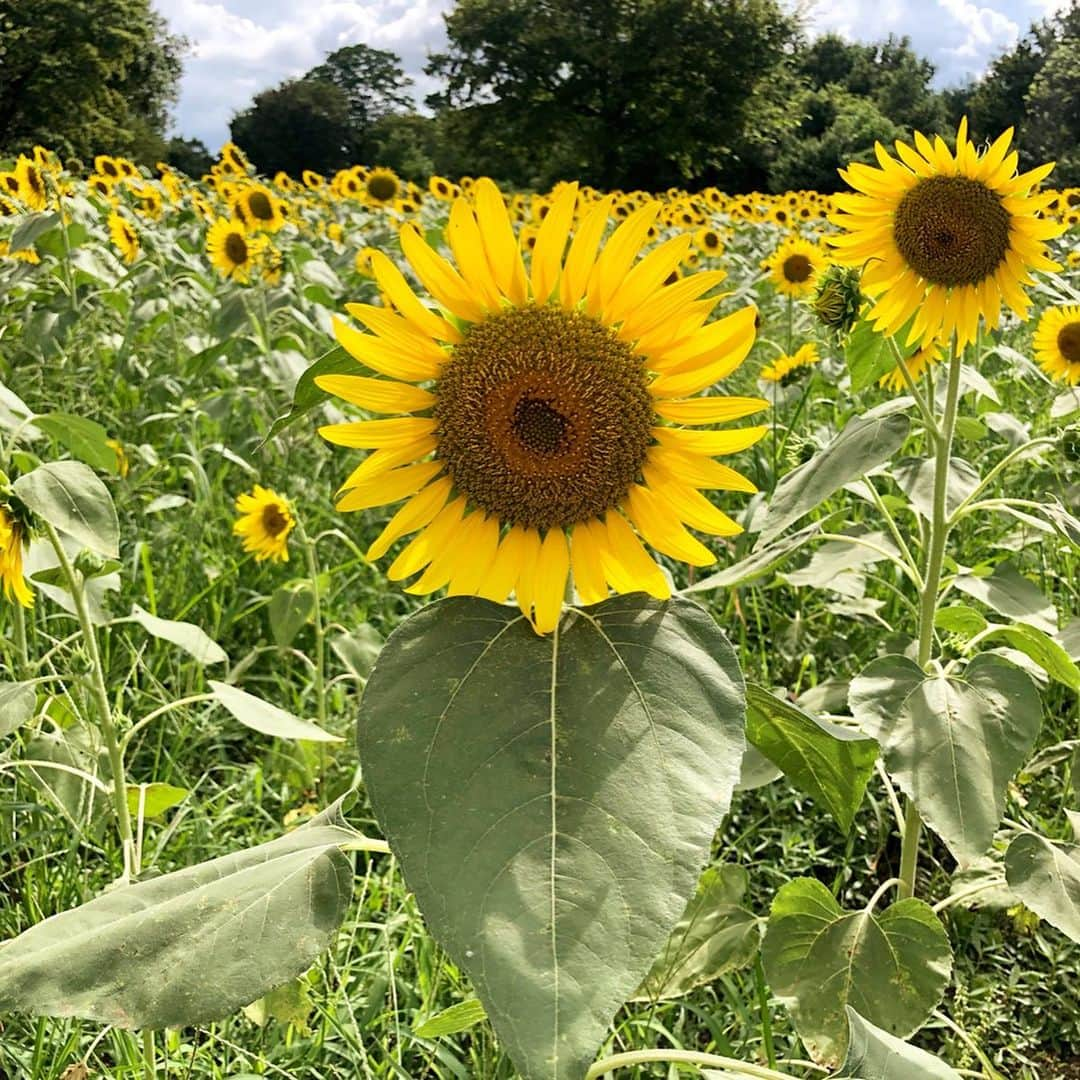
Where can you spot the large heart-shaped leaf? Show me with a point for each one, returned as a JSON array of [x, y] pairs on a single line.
[[866, 442], [892, 967], [70, 497], [874, 1054], [1046, 877], [553, 799], [952, 742], [830, 763], [718, 933], [17, 703], [191, 946]]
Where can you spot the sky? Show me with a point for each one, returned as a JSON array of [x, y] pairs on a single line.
[[239, 47]]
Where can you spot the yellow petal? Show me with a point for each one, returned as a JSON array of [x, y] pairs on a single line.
[[468, 247], [551, 569], [415, 514], [718, 409], [582, 255], [422, 548], [709, 443], [505, 568], [382, 357], [439, 277], [550, 244], [526, 577], [643, 281], [392, 282], [475, 560], [689, 505], [699, 472], [503, 250], [389, 458], [376, 395], [656, 524], [586, 565], [617, 257], [371, 434], [636, 567], [389, 487]]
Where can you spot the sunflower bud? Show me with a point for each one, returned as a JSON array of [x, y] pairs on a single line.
[[837, 300]]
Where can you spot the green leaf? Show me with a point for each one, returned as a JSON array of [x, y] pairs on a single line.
[[716, 934], [1065, 404], [86, 439], [1008, 592], [831, 764], [970, 429], [72, 499], [290, 610], [155, 799], [359, 649], [288, 1004], [837, 562], [268, 719], [864, 444], [307, 395], [459, 1017], [893, 966], [758, 562], [960, 619], [915, 478], [553, 799], [139, 956], [1043, 649], [952, 742], [18, 701], [874, 1054], [869, 355], [184, 635], [31, 227], [1046, 877]]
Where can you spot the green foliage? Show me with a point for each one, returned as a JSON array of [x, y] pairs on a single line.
[[85, 77], [874, 1054]]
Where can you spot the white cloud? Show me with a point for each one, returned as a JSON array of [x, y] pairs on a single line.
[[986, 30]]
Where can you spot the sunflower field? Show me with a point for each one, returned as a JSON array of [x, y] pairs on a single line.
[[454, 632]]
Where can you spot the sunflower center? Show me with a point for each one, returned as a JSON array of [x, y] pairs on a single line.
[[236, 248], [952, 230], [797, 268], [273, 520], [260, 206], [108, 168], [545, 417], [1068, 342], [382, 187]]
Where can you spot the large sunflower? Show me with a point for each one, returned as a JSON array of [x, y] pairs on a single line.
[[1057, 343], [541, 444], [945, 237]]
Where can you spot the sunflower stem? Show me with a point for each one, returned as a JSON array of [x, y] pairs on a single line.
[[149, 1056], [935, 557], [684, 1057], [101, 694], [19, 633], [320, 636], [914, 391]]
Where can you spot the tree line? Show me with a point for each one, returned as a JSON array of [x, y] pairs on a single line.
[[617, 93]]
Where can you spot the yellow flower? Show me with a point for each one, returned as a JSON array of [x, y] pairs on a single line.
[[232, 249], [265, 523], [945, 237], [258, 208], [1057, 343], [917, 364], [105, 166], [312, 179], [537, 439], [26, 255], [709, 241], [793, 265], [31, 183], [362, 261], [381, 187], [124, 236], [441, 188], [273, 265], [123, 466], [13, 537], [786, 369]]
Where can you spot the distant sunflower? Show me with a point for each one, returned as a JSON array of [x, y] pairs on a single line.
[[793, 265], [258, 208], [264, 524], [441, 188], [273, 265], [709, 241], [9, 184], [1057, 343], [32, 189], [542, 444], [917, 364], [13, 538], [382, 187], [786, 369], [313, 180], [106, 166], [945, 237], [123, 235], [232, 249]]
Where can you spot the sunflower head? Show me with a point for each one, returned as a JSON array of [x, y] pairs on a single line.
[[786, 370], [918, 363], [14, 536], [123, 235], [382, 187], [536, 403], [32, 191], [945, 236], [793, 265], [259, 209], [264, 524], [232, 249], [1057, 343]]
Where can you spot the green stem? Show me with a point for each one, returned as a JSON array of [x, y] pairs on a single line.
[[913, 389], [684, 1057], [320, 635], [149, 1055], [942, 437], [763, 1011], [19, 631], [101, 695]]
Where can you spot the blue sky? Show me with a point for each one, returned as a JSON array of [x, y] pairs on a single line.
[[242, 46]]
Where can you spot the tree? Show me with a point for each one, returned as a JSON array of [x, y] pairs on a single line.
[[1052, 128], [86, 76], [374, 86], [301, 124], [190, 156], [619, 93], [406, 143]]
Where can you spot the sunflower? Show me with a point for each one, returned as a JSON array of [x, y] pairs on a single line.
[[232, 249], [106, 166], [381, 187], [273, 265], [793, 265], [946, 237], [1057, 343], [265, 523], [31, 184], [13, 537], [917, 364], [786, 369], [541, 445], [313, 180], [124, 236], [441, 188], [257, 207], [709, 241]]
